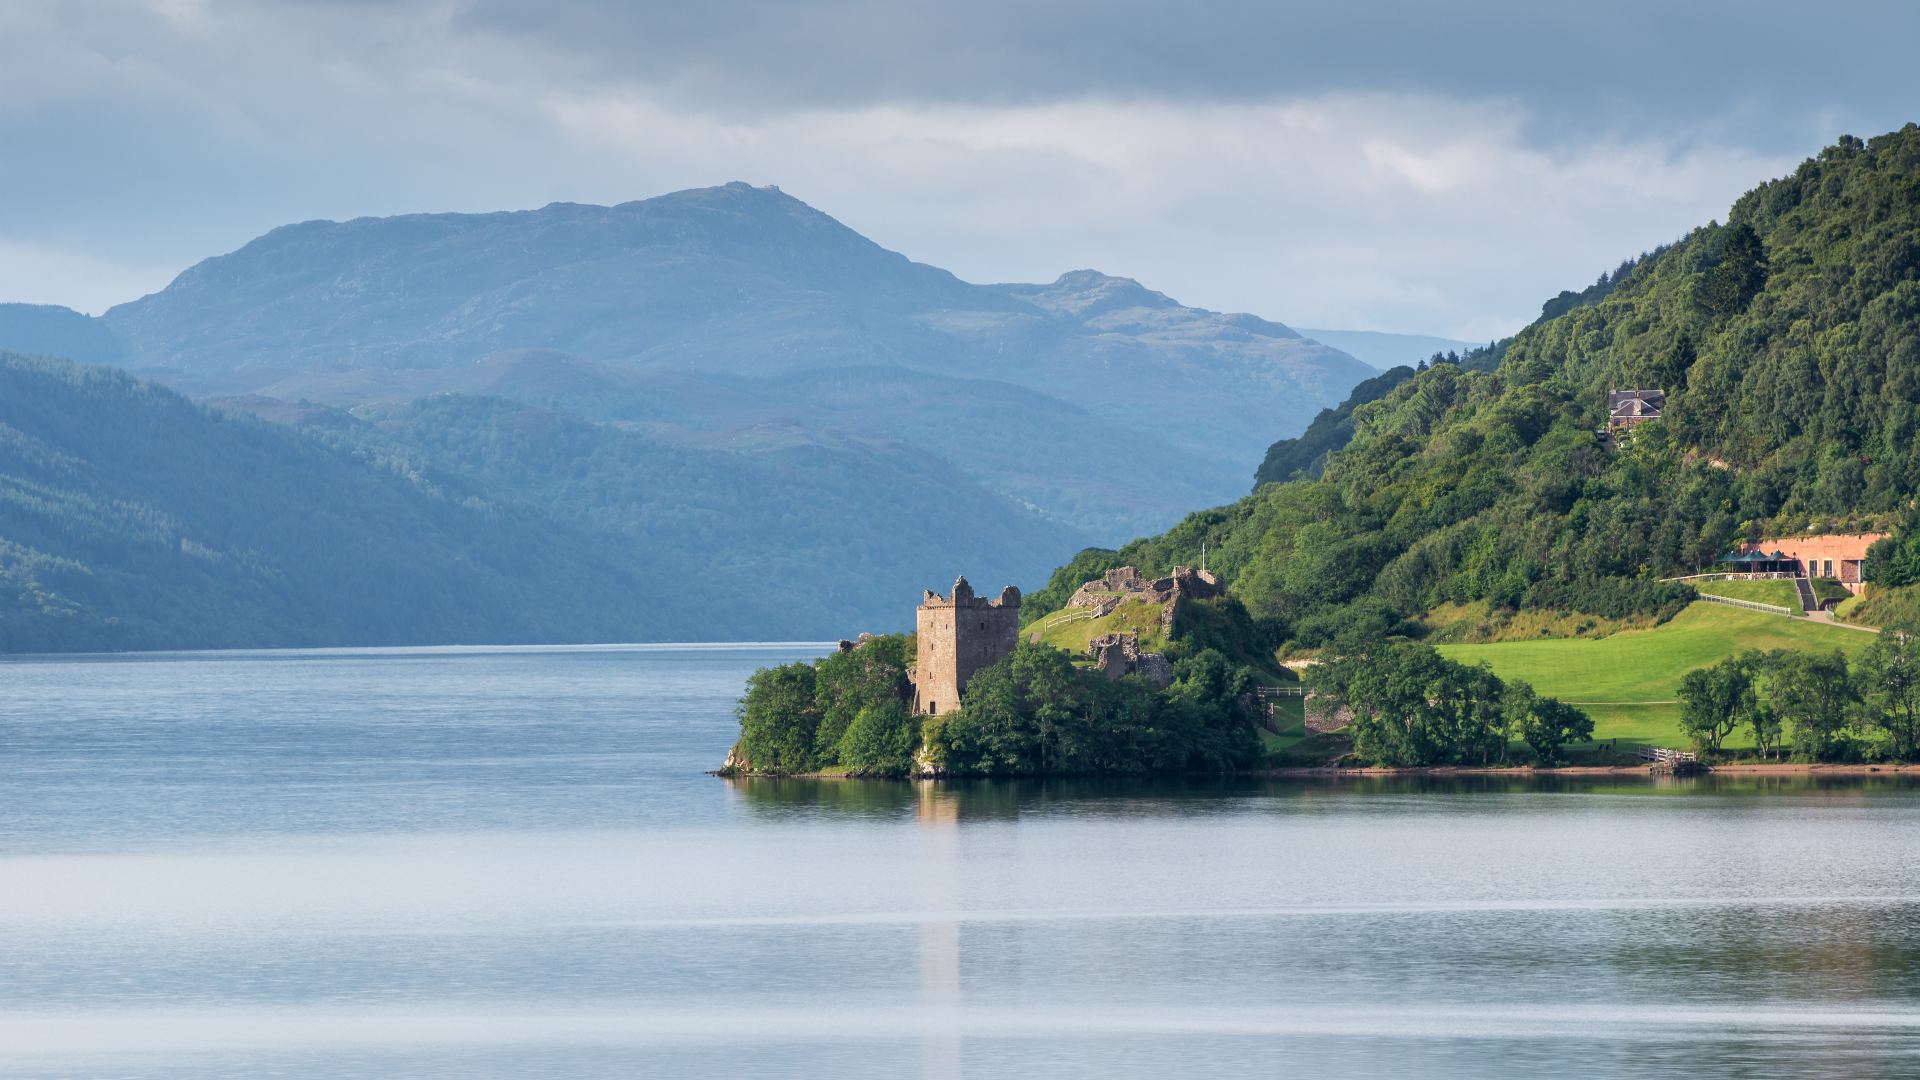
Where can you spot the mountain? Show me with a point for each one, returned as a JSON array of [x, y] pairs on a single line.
[[131, 517], [720, 310], [1788, 343], [1384, 351], [49, 330]]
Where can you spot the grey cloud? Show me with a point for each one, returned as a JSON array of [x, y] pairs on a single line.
[[1774, 67], [1446, 170]]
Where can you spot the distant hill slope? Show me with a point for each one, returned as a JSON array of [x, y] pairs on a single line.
[[721, 300], [49, 330], [1383, 350], [1788, 341], [131, 517]]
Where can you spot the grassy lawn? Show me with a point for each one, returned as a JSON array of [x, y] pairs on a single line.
[[1627, 682], [1072, 634], [1783, 593], [1289, 714]]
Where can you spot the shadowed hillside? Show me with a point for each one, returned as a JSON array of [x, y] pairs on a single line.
[[131, 517]]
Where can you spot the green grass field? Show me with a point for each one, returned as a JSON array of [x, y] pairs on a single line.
[[1775, 591], [1065, 630], [1628, 682]]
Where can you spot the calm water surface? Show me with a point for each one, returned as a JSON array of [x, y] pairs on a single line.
[[509, 863]]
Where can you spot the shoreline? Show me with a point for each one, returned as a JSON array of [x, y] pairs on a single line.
[[1322, 772], [1749, 768]]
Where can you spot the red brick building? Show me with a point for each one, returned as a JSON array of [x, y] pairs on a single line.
[[1841, 556]]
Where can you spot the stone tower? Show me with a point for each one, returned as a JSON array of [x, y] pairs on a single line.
[[959, 635]]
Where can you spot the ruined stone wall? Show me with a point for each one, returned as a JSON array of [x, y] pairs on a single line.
[[1126, 583], [1117, 655], [959, 635]]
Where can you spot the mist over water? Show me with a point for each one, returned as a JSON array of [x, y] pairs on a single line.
[[511, 863]]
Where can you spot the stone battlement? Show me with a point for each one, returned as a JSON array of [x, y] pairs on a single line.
[[963, 598]]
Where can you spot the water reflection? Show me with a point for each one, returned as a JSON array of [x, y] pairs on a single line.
[[938, 818], [1010, 799]]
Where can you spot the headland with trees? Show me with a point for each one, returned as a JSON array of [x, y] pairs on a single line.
[[1477, 569]]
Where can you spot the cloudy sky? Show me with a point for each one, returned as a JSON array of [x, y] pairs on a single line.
[[1416, 165]]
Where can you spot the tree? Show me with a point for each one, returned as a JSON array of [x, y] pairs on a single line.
[[1895, 560], [1412, 706], [1814, 694], [1731, 285], [1715, 701], [779, 719], [1204, 708], [880, 740], [1545, 724], [1889, 674], [873, 673]]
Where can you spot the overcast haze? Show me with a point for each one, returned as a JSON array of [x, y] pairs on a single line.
[[1413, 167]]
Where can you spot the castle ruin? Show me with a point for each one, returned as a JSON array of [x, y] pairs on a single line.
[[1119, 655], [959, 635], [1103, 594]]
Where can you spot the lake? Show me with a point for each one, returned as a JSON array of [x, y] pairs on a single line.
[[510, 863]]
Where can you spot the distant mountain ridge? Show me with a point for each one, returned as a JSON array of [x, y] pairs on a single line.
[[716, 297], [715, 414], [1386, 351]]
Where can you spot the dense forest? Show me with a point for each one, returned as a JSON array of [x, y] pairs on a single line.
[[1788, 341], [1332, 429]]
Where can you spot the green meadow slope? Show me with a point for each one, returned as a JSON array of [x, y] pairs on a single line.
[[1778, 592], [1629, 682]]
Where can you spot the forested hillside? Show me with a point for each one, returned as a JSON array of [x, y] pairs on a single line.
[[801, 539], [1788, 340], [131, 517], [1306, 456]]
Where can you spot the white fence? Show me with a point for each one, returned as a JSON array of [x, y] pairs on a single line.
[[1751, 605], [1665, 756], [1064, 616]]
